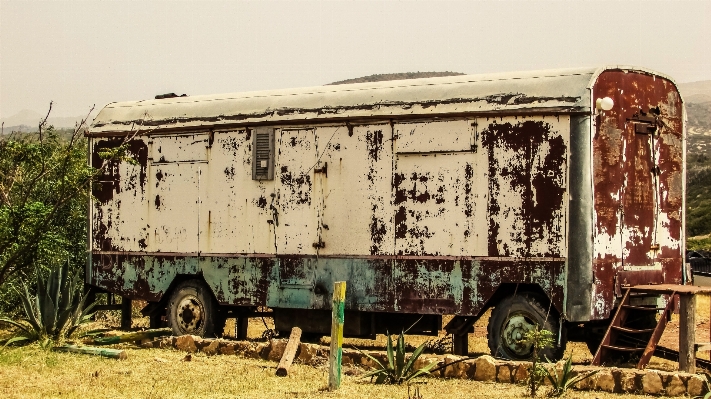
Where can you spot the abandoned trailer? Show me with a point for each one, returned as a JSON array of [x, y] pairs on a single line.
[[541, 194]]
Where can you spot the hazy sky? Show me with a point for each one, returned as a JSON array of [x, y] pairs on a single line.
[[79, 53]]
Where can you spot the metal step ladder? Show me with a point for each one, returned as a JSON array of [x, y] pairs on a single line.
[[624, 337]]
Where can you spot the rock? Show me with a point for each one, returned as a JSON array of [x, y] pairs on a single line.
[[449, 370], [228, 349], [504, 373], [605, 381], [148, 344], [675, 386], [307, 352], [255, 351], [276, 349], [587, 384], [652, 383], [200, 342], [461, 369], [521, 373], [695, 386], [186, 343], [628, 382], [485, 369], [212, 349]]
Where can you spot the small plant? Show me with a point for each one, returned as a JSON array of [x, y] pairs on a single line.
[[397, 370], [539, 341], [55, 312], [566, 379]]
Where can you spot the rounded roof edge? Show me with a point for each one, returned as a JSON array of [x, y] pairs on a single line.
[[558, 89]]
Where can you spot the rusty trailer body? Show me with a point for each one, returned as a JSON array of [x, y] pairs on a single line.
[[428, 196]]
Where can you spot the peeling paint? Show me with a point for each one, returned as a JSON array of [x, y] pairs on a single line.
[[428, 215]]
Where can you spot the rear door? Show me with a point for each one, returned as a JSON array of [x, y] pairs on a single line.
[[640, 203]]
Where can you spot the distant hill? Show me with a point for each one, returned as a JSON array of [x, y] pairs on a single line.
[[382, 77], [696, 92], [28, 120]]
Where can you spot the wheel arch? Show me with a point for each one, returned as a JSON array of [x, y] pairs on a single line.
[[508, 289]]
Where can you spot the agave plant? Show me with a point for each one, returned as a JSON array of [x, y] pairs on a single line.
[[397, 369], [565, 380], [55, 311]]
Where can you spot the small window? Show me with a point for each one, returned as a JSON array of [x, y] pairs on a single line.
[[263, 153]]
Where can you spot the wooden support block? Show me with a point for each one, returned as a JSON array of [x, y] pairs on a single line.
[[241, 325], [687, 333], [703, 347], [460, 344], [337, 318], [126, 317], [289, 352]]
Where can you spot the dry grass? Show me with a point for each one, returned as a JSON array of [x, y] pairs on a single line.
[[31, 372], [151, 373]]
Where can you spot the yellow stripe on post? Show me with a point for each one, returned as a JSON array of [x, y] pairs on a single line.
[[337, 319]]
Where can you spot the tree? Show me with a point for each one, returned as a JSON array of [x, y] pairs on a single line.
[[45, 183]]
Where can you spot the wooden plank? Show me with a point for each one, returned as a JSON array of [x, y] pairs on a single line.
[[656, 335], [687, 333], [337, 319], [671, 288], [288, 357], [90, 350]]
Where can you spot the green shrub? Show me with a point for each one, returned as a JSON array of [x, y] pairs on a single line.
[[57, 309], [397, 370]]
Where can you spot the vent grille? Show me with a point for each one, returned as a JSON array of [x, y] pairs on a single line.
[[263, 154]]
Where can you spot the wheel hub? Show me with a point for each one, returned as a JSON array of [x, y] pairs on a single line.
[[190, 314], [513, 334]]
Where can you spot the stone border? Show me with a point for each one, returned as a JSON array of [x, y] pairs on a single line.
[[483, 368]]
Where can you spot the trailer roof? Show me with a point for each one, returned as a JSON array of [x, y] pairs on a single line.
[[562, 90]]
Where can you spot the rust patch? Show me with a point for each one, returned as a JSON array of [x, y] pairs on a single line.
[[526, 159]]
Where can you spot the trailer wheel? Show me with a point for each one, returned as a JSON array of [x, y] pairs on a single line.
[[192, 310], [512, 318]]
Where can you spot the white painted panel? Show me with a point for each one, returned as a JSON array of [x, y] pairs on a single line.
[[527, 181], [296, 222], [183, 148], [123, 219], [173, 211], [238, 210], [439, 205], [357, 213], [434, 136]]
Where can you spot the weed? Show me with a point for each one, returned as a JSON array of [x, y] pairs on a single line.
[[397, 370], [566, 379], [539, 340], [55, 312]]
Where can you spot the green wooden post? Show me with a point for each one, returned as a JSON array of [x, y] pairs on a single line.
[[334, 357], [136, 336], [90, 350]]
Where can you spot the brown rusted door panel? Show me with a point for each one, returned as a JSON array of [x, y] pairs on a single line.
[[527, 181], [638, 199], [638, 174]]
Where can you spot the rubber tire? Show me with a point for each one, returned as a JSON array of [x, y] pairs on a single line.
[[201, 296], [532, 307]]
